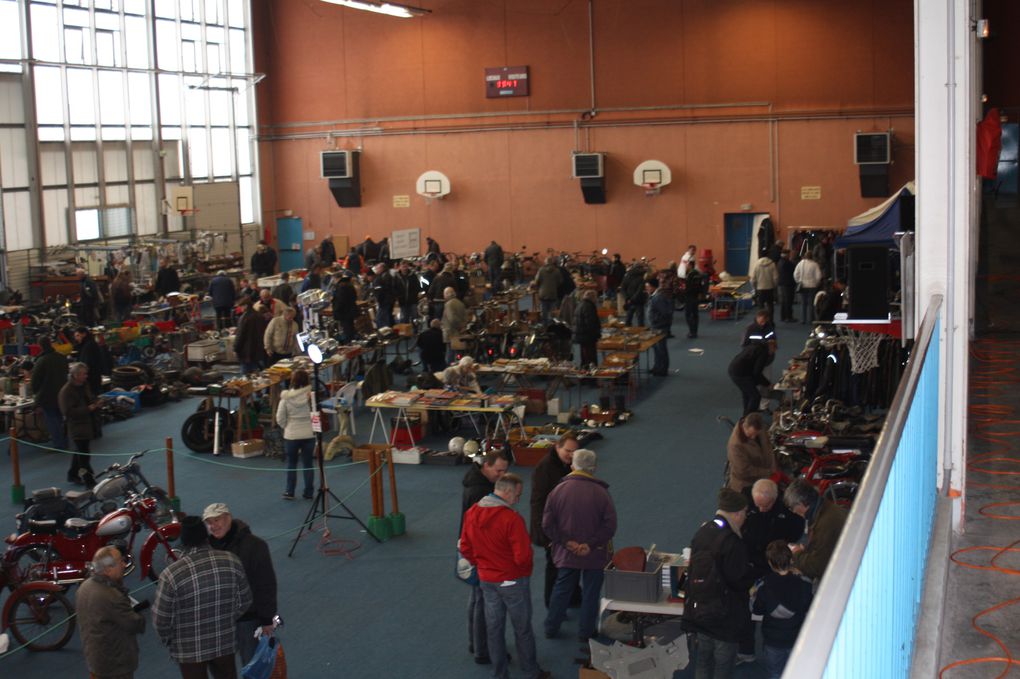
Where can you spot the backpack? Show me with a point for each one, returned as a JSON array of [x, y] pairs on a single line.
[[705, 599]]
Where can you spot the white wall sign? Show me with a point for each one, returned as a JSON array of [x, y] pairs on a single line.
[[405, 243]]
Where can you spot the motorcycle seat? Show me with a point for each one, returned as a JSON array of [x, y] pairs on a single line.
[[78, 496], [44, 526], [79, 525]]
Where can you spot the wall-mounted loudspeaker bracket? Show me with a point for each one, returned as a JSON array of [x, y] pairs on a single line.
[[347, 190]]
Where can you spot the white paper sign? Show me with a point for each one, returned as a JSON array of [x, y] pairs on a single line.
[[405, 243]]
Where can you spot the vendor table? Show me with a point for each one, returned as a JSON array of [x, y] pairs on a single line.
[[521, 373], [10, 411], [645, 614], [726, 295], [503, 413], [636, 342]]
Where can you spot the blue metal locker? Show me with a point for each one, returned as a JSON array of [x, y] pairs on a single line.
[[290, 238]]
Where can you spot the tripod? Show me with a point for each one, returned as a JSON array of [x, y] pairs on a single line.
[[320, 504]]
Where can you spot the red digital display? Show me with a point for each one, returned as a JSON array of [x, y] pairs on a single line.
[[506, 81]]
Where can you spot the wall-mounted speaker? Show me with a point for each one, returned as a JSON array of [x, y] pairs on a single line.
[[347, 190], [868, 282], [872, 148], [336, 164], [594, 190], [874, 181]]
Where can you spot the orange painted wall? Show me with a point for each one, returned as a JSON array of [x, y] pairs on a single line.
[[825, 70]]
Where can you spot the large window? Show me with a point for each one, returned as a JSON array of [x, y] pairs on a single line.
[[137, 77]]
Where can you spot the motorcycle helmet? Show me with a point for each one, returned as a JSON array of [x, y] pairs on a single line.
[[471, 448], [457, 444]]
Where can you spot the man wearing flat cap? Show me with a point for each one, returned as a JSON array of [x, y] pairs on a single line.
[[234, 536], [198, 601], [719, 577]]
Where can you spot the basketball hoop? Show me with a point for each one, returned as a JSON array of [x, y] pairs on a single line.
[[652, 188], [863, 348], [429, 196]]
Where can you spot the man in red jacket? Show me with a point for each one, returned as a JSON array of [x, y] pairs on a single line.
[[495, 540]]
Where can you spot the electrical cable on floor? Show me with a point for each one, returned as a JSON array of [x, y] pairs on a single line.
[[994, 424]]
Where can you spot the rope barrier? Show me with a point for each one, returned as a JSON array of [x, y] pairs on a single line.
[[204, 459]]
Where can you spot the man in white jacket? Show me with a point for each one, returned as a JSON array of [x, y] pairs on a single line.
[[294, 414], [808, 276], [764, 280]]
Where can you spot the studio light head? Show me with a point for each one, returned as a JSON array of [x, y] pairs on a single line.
[[322, 349]]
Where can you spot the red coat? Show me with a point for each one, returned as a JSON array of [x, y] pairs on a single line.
[[495, 539]]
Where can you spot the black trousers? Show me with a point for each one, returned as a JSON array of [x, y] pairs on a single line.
[[80, 463], [748, 393], [785, 303], [692, 316]]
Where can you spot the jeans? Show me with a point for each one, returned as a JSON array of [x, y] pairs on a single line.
[[408, 312], [807, 305], [775, 660], [767, 300], [547, 308], [660, 354], [502, 599], [249, 367], [478, 643], [589, 355], [55, 426], [566, 581], [384, 316], [636, 313], [715, 659], [223, 318], [302, 448], [222, 667], [785, 303]]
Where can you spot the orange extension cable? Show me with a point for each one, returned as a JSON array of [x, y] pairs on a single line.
[[997, 427]]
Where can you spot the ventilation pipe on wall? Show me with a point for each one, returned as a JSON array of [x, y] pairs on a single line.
[[591, 54]]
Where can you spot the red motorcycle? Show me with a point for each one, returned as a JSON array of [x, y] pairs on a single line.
[[38, 614], [60, 554]]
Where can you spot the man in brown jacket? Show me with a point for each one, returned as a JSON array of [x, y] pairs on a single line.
[[749, 454], [825, 521], [107, 622]]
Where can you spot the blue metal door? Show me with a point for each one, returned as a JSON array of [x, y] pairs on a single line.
[[289, 233], [738, 242]]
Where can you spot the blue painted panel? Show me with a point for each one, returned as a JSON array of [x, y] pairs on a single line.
[[738, 242], [876, 634]]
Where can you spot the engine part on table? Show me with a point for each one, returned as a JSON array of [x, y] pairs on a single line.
[[211, 376], [314, 299], [198, 430], [192, 376]]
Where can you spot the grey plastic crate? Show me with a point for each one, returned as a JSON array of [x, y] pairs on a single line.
[[632, 586]]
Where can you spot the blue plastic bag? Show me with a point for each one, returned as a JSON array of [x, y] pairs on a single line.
[[262, 663]]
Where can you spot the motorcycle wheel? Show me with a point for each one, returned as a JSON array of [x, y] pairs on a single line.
[[197, 431], [41, 619], [162, 558]]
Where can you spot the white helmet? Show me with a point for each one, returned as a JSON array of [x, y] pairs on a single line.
[[471, 447], [457, 444]]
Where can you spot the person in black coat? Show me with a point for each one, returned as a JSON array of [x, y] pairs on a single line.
[[550, 470], [327, 251], [248, 342], [615, 276], [587, 328], [223, 293], [634, 296], [494, 263], [263, 262], [91, 300], [718, 580], [660, 319], [694, 289], [167, 280], [234, 536], [745, 371], [431, 347], [406, 289], [91, 355], [786, 287], [385, 296], [345, 307]]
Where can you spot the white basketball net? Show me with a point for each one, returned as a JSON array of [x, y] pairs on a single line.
[[863, 348]]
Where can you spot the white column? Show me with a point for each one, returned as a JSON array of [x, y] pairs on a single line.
[[947, 91]]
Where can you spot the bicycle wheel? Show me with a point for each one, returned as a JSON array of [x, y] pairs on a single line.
[[40, 619]]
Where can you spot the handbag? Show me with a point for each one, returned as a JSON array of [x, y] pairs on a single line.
[[465, 571]]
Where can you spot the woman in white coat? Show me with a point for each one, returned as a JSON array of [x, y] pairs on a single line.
[[294, 414]]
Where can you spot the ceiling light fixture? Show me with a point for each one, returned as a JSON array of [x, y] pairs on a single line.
[[389, 8]]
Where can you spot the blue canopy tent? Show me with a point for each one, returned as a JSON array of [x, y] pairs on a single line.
[[877, 225]]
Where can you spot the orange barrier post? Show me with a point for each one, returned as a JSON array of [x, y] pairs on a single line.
[[17, 490], [378, 526], [397, 520]]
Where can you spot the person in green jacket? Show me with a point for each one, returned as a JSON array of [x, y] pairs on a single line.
[[48, 377], [108, 622]]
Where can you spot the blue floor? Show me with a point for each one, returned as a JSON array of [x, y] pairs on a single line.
[[395, 609]]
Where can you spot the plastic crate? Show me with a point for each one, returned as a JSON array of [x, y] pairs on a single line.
[[644, 587]]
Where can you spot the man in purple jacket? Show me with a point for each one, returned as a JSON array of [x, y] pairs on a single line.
[[579, 520]]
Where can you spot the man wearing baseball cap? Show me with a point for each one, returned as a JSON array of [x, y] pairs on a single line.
[[719, 578], [234, 536]]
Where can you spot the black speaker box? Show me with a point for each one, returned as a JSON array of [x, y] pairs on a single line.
[[347, 192], [594, 190], [874, 181], [868, 282]]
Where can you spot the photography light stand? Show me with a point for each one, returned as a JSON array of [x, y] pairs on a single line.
[[320, 503]]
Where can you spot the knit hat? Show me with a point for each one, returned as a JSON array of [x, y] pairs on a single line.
[[731, 501], [193, 532]]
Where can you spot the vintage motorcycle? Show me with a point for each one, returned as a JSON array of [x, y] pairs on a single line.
[[38, 614]]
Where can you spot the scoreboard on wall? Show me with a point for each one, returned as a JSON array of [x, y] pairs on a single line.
[[506, 81]]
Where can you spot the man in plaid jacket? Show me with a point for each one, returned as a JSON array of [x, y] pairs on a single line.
[[198, 601]]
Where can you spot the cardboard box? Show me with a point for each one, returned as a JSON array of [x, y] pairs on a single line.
[[362, 452], [203, 350], [249, 448], [553, 406], [408, 456], [529, 456], [644, 587], [534, 403]]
